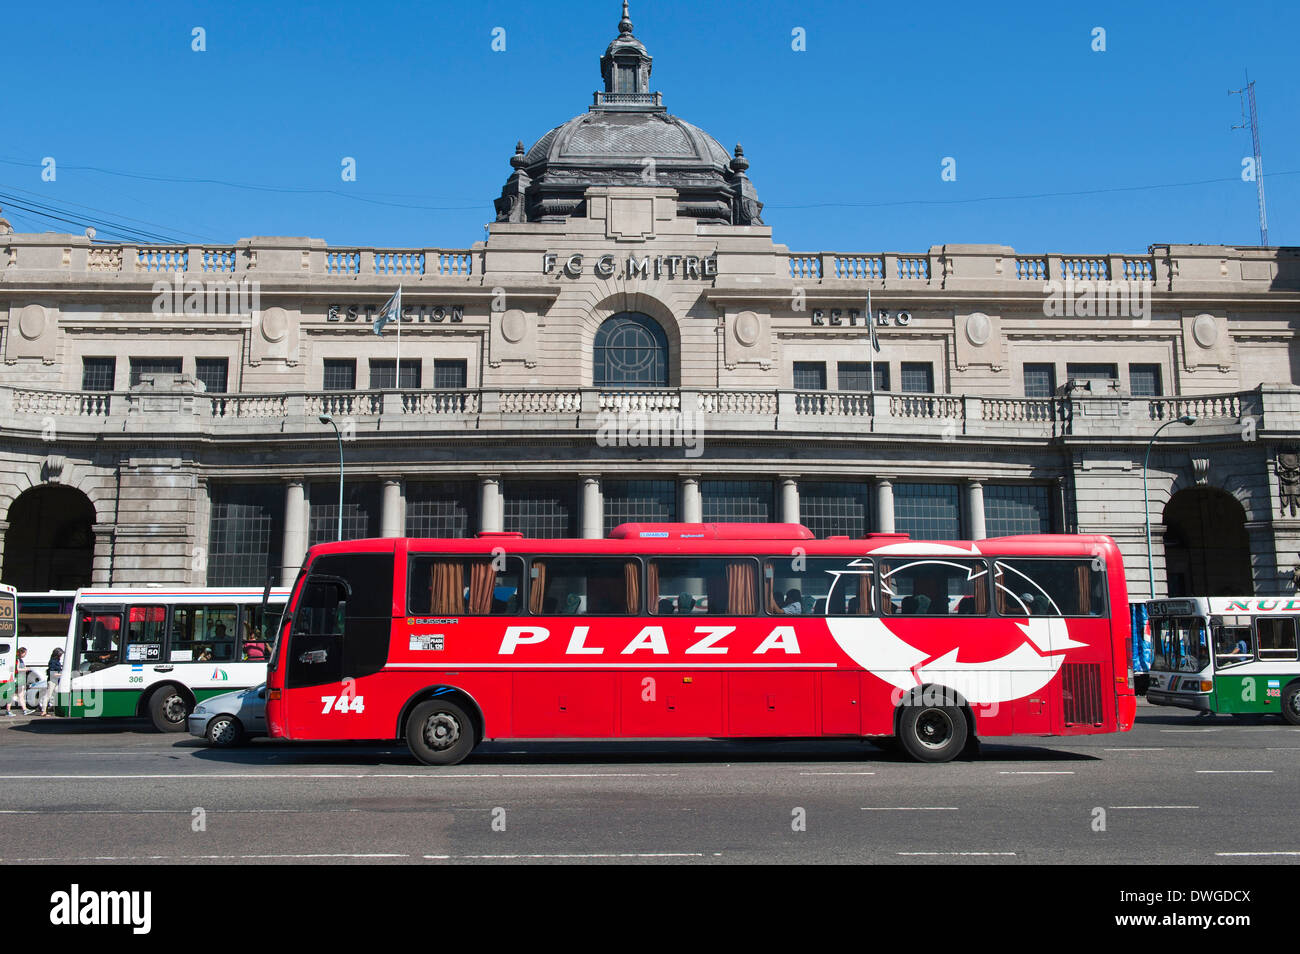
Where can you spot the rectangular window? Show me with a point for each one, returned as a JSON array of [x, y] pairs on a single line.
[[204, 633], [449, 373], [817, 587], [834, 508], [1144, 380], [464, 586], [1050, 588], [639, 501], [578, 586], [856, 375], [98, 374], [927, 511], [213, 372], [1276, 637], [441, 508], [340, 374], [930, 587], [258, 631], [360, 512], [702, 586], [917, 377], [1040, 380], [383, 374], [153, 367], [1109, 372], [245, 534], [146, 628], [99, 635], [810, 375], [542, 509], [1016, 508], [737, 501]]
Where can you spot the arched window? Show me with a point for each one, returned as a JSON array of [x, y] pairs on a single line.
[[631, 351]]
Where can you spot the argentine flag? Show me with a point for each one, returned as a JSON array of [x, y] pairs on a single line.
[[391, 311]]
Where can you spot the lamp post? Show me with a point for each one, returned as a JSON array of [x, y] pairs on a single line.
[[326, 419], [1146, 497]]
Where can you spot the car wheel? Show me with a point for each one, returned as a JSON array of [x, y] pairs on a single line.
[[224, 731], [168, 708], [439, 733], [932, 733]]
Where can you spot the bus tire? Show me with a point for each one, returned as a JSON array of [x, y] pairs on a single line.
[[932, 733], [1291, 703], [440, 733], [168, 708]]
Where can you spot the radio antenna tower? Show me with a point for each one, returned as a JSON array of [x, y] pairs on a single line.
[[1253, 121]]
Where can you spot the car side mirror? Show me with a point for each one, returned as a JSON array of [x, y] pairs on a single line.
[[261, 693]]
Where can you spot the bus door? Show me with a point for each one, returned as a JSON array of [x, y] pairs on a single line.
[[340, 634], [8, 637], [96, 652]]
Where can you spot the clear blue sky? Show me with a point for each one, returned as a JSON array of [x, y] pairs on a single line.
[[846, 139]]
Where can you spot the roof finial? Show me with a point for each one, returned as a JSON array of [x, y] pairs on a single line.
[[625, 24]]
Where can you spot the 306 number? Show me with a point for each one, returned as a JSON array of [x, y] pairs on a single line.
[[344, 704]]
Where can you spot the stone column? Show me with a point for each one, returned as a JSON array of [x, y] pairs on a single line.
[[294, 546], [593, 509], [392, 511], [975, 507], [789, 500], [884, 506], [692, 506], [491, 514]]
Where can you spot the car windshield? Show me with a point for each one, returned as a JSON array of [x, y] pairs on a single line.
[[1180, 644]]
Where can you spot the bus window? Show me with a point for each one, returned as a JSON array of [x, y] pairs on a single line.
[[258, 632], [1050, 588], [463, 586], [146, 627], [98, 634], [349, 596], [203, 633], [583, 586], [700, 586], [1231, 645], [817, 587], [934, 587], [1276, 637]]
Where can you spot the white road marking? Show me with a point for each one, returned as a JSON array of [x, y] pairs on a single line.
[[958, 854], [1257, 854], [837, 773], [593, 854], [1139, 808], [1193, 730], [1234, 771], [1134, 750], [336, 775], [371, 855], [914, 808], [1035, 773]]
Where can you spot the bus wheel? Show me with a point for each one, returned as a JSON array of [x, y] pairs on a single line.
[[439, 733], [1291, 703], [932, 733], [168, 709]]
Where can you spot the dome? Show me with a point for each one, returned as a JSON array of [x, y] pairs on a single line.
[[627, 138]]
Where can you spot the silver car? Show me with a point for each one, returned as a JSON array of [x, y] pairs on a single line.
[[231, 718]]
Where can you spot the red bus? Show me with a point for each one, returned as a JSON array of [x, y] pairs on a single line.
[[734, 631]]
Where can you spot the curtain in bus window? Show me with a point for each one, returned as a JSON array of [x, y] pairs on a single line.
[[770, 596], [482, 580], [632, 582], [733, 593], [537, 594], [446, 588], [980, 599], [653, 603], [1083, 578]]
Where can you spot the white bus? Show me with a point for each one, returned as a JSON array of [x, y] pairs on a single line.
[[8, 639], [158, 652], [1224, 654]]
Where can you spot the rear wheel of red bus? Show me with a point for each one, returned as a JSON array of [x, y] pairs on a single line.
[[439, 733]]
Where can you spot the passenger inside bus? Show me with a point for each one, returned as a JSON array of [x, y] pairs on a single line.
[[793, 603]]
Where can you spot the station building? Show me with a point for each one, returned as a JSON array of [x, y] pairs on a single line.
[[631, 343]]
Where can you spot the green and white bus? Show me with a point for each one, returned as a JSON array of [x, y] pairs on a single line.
[[8, 639], [1225, 654], [158, 652]]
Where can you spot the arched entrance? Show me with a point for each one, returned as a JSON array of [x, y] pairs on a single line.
[[50, 543], [1207, 550]]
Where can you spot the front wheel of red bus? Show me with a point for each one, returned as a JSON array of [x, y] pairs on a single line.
[[932, 733], [439, 733]]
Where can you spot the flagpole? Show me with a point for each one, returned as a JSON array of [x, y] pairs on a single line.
[[871, 335], [398, 380]]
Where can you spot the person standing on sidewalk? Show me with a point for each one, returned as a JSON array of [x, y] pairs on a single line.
[[52, 675], [20, 684]]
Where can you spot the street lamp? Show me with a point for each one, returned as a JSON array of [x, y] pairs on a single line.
[[1146, 498], [326, 419]]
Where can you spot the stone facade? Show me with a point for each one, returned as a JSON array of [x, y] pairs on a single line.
[[747, 324]]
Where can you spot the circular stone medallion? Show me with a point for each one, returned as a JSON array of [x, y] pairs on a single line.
[[979, 329], [747, 327], [514, 325], [1205, 330]]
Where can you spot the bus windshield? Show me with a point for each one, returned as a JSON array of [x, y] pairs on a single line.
[[1180, 644]]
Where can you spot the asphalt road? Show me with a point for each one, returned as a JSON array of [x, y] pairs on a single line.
[[1175, 790]]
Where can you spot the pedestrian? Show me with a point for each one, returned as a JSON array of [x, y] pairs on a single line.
[[52, 674], [20, 684]]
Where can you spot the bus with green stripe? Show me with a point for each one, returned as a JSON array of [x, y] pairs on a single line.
[[1226, 654], [157, 652]]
